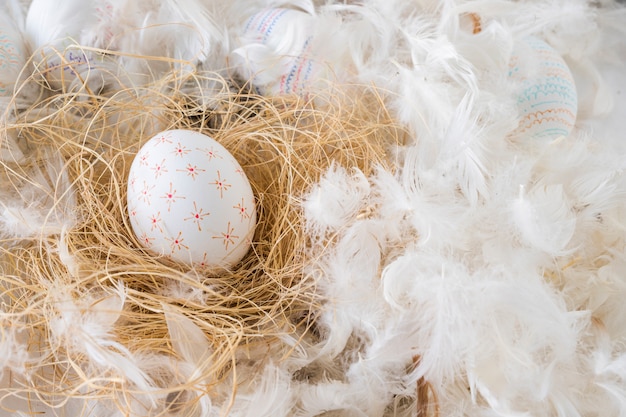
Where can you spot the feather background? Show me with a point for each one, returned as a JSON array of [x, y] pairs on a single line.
[[489, 267]]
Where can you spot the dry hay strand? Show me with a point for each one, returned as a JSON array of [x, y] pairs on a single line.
[[72, 262]]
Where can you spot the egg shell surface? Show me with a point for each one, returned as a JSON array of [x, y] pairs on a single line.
[[12, 57], [547, 100], [189, 199], [278, 55], [65, 66]]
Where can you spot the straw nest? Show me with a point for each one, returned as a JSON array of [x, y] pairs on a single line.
[[72, 250]]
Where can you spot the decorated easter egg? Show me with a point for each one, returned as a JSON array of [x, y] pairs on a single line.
[[276, 51], [12, 56], [189, 199], [54, 32], [64, 66], [547, 100]]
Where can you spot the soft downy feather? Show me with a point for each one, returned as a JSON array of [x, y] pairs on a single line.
[[464, 153], [194, 352], [526, 360], [544, 218], [437, 214], [334, 200], [349, 284], [48, 23], [45, 205], [176, 34], [85, 326], [268, 394], [608, 360], [433, 295], [188, 341], [330, 396]]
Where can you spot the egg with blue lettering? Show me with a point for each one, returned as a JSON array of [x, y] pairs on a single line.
[[547, 100], [55, 32], [63, 67], [190, 200]]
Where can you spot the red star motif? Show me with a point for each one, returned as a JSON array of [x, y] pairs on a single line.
[[171, 197], [177, 244], [155, 222], [204, 262], [145, 239], [221, 184], [180, 150], [159, 169], [197, 216], [192, 170], [228, 237], [243, 211], [145, 194], [162, 139], [143, 158], [211, 153]]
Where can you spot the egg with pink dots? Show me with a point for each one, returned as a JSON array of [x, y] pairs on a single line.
[[190, 200]]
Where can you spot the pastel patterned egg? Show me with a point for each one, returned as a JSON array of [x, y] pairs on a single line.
[[12, 55], [547, 100], [189, 199], [276, 51]]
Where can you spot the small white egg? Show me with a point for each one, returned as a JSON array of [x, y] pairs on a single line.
[[189, 199]]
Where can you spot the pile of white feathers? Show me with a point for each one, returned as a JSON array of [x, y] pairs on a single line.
[[491, 267]]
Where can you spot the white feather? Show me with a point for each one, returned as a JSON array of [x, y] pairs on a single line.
[[14, 352], [351, 304], [45, 205], [85, 326], [330, 396], [462, 149], [335, 200], [269, 394], [49, 23], [188, 341], [544, 218]]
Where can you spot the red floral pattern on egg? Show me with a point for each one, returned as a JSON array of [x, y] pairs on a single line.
[[191, 200]]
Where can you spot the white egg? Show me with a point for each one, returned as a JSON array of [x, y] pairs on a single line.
[[547, 100], [63, 67], [276, 51], [189, 199]]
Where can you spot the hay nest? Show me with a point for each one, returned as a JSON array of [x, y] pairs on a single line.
[[94, 308]]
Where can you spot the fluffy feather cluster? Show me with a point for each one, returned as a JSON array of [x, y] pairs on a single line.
[[471, 272]]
